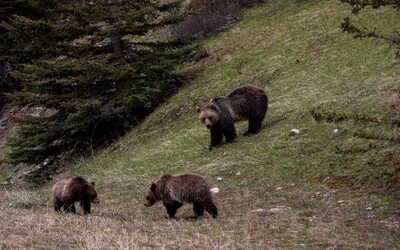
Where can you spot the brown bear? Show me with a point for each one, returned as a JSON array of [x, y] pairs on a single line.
[[68, 190], [173, 191], [245, 103]]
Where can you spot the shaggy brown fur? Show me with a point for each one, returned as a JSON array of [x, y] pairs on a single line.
[[245, 103], [173, 191], [68, 190]]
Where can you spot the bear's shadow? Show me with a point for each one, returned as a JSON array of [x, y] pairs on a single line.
[[186, 218]]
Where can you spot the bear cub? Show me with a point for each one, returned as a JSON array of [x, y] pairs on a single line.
[[173, 191], [244, 103], [68, 190]]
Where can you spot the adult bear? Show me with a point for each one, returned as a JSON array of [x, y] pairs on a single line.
[[245, 103], [173, 191]]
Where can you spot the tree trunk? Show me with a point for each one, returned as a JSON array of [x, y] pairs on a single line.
[[116, 41]]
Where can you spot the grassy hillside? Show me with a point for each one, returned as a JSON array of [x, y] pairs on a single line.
[[315, 190]]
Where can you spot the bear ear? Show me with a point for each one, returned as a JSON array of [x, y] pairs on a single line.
[[198, 109], [166, 177], [85, 187], [92, 183], [153, 187]]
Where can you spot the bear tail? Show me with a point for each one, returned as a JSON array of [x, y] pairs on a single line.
[[212, 210]]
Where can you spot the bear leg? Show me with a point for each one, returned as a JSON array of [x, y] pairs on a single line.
[[172, 206], [254, 126], [198, 209], [229, 131], [216, 135], [57, 205], [86, 207], [211, 209]]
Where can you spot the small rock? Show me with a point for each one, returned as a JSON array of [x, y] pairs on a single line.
[[46, 161], [294, 131], [279, 188], [214, 190], [275, 210], [238, 173], [257, 210], [220, 179], [335, 131]]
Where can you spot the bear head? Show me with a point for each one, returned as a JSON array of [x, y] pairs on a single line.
[[88, 192], [208, 114], [152, 197]]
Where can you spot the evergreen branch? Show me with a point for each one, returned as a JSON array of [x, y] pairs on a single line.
[[364, 32], [359, 5]]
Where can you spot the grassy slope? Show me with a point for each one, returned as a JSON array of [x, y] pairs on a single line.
[[310, 195]]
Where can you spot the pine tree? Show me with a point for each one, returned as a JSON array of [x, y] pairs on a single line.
[[23, 37], [94, 70]]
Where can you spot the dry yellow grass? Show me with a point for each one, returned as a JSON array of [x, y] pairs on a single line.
[[264, 218]]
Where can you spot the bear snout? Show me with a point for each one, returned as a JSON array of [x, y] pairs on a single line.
[[208, 126], [96, 201]]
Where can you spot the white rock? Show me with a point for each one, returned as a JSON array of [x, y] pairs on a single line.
[[220, 179], [335, 131], [257, 210], [275, 210], [294, 131], [279, 188], [214, 190]]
